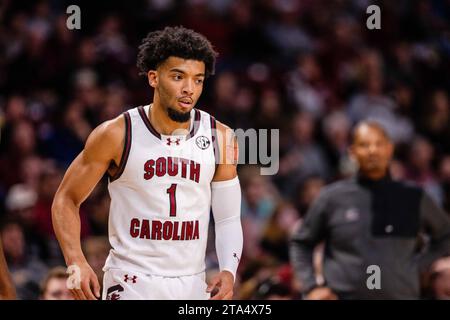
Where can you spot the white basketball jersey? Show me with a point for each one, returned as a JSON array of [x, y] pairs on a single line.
[[161, 197]]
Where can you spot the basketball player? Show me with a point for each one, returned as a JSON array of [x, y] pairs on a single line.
[[168, 165], [7, 290]]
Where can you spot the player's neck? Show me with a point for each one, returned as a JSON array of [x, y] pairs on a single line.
[[161, 121]]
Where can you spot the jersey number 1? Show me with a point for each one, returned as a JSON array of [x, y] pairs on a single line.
[[173, 203]]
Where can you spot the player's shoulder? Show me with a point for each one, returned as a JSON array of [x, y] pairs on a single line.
[[113, 128], [335, 189], [108, 134], [221, 127]]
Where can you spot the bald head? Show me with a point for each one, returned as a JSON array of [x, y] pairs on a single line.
[[372, 149], [369, 125]]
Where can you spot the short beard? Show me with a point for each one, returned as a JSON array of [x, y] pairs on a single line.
[[178, 116]]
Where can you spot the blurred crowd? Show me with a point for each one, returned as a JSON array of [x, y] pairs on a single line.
[[309, 68]]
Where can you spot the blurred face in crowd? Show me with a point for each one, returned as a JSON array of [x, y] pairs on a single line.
[[96, 250], [178, 84], [421, 154], [225, 88], [56, 289], [303, 128], [13, 242], [23, 139], [444, 169], [255, 190], [49, 184], [309, 67], [16, 108], [372, 150], [336, 128], [310, 191]]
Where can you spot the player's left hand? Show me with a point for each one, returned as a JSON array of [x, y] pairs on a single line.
[[223, 281]]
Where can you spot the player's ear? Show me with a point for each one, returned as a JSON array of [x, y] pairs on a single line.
[[152, 76], [390, 149]]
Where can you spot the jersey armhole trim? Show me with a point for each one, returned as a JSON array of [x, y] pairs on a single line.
[[126, 147], [196, 124], [215, 138]]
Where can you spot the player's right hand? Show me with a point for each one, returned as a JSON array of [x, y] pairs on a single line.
[[87, 286], [223, 281], [321, 293], [8, 294]]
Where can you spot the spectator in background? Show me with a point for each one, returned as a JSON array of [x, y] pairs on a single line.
[[307, 87], [97, 208], [225, 89], [258, 202], [397, 170], [115, 102], [284, 31], [244, 104], [372, 101], [271, 114], [20, 145], [444, 174], [253, 273], [54, 285], [49, 182], [278, 230], [373, 104], [406, 101], [31, 169], [112, 46], [440, 279], [65, 140], [305, 158], [336, 129], [15, 112], [26, 270], [420, 170], [307, 192], [436, 120], [271, 289], [20, 203], [96, 250]]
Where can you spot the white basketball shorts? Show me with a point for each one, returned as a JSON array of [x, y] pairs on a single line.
[[123, 285]]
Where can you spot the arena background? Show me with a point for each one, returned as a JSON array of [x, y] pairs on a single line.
[[310, 68]]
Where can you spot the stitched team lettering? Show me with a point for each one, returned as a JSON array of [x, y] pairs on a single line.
[[168, 230], [172, 166]]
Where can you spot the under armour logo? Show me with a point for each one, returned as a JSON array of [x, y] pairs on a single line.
[[236, 256], [177, 141], [133, 278]]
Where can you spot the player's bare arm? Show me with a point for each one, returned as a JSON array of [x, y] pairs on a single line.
[[101, 154], [7, 290], [226, 173], [227, 168]]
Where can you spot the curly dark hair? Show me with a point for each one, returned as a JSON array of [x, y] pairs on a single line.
[[177, 42]]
